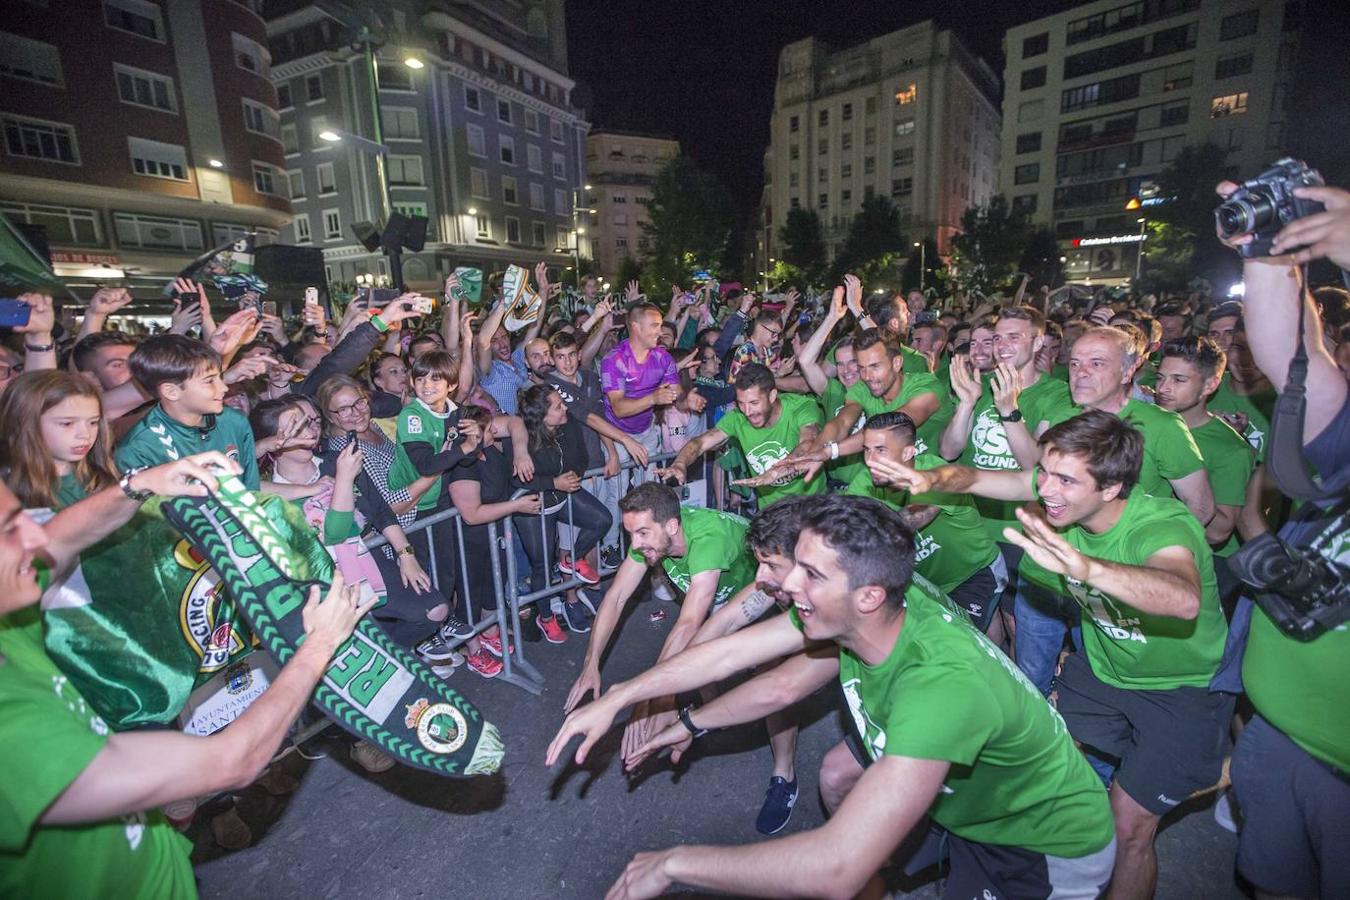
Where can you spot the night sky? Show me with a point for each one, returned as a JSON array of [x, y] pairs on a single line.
[[703, 70]]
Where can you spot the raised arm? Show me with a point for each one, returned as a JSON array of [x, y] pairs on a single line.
[[626, 581], [1194, 490], [953, 479], [808, 359], [140, 770], [690, 453], [483, 342]]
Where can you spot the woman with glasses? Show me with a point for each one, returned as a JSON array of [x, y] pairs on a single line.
[[346, 412]]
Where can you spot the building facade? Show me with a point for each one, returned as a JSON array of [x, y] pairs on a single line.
[[911, 115], [621, 168], [482, 136], [141, 137], [1100, 98]]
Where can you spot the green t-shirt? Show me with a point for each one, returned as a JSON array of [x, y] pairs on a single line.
[[50, 736], [714, 540], [1128, 648], [911, 387], [1277, 671], [915, 362], [831, 402], [1169, 450], [1047, 400], [418, 422], [1257, 409], [1229, 460], [951, 548], [158, 439], [765, 446], [945, 692]]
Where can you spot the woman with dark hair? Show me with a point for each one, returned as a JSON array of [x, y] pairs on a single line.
[[558, 448]]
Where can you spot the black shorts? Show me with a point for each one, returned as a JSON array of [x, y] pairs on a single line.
[[979, 594], [1010, 873], [1296, 816], [1169, 744]]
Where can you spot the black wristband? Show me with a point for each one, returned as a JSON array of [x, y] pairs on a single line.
[[688, 723]]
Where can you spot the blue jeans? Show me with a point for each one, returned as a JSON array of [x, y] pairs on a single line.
[[1042, 618]]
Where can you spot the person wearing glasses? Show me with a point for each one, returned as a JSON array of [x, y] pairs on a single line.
[[766, 339]]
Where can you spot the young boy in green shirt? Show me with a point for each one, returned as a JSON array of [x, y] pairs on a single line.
[[190, 416]]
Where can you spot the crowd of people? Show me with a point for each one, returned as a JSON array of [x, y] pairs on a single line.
[[1000, 524]]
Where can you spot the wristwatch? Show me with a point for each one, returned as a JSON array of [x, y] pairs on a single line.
[[1014, 416], [38, 348], [694, 732], [131, 492]]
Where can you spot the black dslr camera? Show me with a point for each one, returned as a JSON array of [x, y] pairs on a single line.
[[1265, 204], [1304, 587]]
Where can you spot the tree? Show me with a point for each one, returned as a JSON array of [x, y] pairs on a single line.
[[873, 244], [630, 269], [803, 244], [934, 269], [1181, 244], [1040, 261], [688, 227], [991, 241]]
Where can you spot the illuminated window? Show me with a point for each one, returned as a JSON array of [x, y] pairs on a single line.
[[907, 95], [1228, 105]]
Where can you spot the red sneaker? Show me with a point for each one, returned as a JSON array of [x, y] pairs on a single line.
[[553, 632], [580, 568], [484, 663], [492, 643]]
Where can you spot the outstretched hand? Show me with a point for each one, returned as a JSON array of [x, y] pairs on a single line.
[[1048, 547]]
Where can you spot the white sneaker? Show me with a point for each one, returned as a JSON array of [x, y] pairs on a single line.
[[371, 758], [1223, 811]]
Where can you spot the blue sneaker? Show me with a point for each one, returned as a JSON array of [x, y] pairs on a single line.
[[577, 616], [778, 803]]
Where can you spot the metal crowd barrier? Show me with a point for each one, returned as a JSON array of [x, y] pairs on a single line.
[[516, 669]]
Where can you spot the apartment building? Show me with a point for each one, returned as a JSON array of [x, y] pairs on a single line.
[[621, 167], [911, 115], [138, 134], [1100, 98], [476, 116]]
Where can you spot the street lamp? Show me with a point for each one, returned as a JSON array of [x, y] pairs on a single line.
[[577, 230], [338, 136], [1139, 250], [923, 261], [413, 62]]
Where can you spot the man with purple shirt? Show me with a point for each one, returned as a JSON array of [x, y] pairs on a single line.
[[637, 376]]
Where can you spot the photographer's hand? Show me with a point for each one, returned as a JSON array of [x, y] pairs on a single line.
[[1324, 234]]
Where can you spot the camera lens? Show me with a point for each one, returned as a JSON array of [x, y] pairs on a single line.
[[1233, 218], [1262, 210]]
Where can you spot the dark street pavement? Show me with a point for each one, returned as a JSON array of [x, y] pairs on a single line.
[[534, 832]]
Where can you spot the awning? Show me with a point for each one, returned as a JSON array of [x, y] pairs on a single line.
[[21, 268]]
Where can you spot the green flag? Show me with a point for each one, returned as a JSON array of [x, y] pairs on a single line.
[[140, 621]]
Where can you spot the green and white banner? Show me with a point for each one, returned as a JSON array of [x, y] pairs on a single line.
[[373, 688]]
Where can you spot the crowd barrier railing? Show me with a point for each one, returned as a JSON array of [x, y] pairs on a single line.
[[516, 669]]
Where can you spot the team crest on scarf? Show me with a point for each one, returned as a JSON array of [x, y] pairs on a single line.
[[215, 640]]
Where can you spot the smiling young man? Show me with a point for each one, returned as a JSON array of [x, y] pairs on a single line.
[[768, 426], [1188, 374], [1140, 569], [703, 553], [1015, 804], [190, 415], [998, 419], [882, 386]]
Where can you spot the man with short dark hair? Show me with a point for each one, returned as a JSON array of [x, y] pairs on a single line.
[[639, 375], [1187, 375], [953, 549], [103, 356], [1140, 569], [945, 728], [883, 386], [703, 553], [768, 426]]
